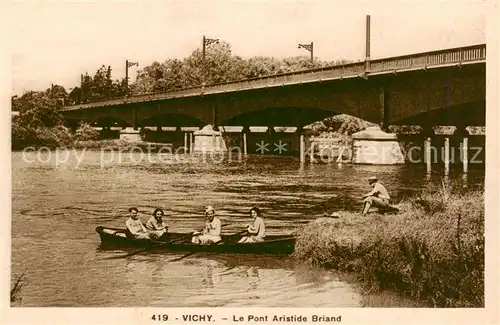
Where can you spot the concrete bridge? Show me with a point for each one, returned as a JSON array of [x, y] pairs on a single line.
[[446, 87]]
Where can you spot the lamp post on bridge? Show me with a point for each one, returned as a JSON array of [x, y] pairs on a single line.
[[367, 46], [128, 64], [310, 48], [206, 41], [81, 88]]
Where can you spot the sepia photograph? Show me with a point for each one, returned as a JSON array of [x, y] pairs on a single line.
[[247, 154]]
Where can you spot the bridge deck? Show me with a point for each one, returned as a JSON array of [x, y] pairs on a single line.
[[427, 60]]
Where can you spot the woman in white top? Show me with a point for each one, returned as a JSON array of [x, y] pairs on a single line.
[[257, 232], [212, 230]]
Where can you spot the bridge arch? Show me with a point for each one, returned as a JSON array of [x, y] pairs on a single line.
[[466, 114], [194, 111], [172, 120], [280, 116], [109, 121], [360, 98]]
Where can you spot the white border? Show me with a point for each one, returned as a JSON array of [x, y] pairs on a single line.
[[487, 315]]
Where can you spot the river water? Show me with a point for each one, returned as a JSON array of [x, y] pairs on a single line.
[[56, 207]]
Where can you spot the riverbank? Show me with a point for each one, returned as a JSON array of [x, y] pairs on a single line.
[[97, 145], [433, 251]]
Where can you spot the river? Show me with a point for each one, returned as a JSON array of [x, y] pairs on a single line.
[[56, 207]]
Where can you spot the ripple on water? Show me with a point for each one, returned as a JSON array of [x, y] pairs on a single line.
[[55, 212]]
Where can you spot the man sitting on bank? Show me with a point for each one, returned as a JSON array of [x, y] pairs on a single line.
[[257, 232], [155, 225], [135, 226], [378, 196], [212, 230]]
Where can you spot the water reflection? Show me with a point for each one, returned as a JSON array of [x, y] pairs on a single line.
[[55, 212], [253, 278]]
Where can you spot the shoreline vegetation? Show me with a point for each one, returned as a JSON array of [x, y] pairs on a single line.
[[39, 121], [16, 289], [432, 251], [86, 137]]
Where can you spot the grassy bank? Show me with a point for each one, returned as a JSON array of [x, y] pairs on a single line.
[[433, 251]]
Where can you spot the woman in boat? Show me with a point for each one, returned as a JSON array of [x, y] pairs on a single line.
[[135, 226], [257, 232], [155, 225], [211, 232]]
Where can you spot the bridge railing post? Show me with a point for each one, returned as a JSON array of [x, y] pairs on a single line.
[[446, 155]]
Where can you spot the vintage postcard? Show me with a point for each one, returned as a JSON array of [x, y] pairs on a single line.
[[250, 162]]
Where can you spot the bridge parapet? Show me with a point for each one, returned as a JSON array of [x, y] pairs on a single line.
[[426, 60], [431, 59]]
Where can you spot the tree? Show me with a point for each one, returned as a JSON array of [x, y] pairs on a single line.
[[58, 93], [220, 66], [100, 86], [38, 109], [39, 120]]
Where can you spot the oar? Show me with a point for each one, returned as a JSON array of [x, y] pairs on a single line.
[[212, 244], [149, 248]]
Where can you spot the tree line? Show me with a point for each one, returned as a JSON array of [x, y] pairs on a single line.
[[40, 120]]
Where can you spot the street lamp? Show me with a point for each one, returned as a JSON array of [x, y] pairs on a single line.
[[81, 88], [310, 48], [206, 41], [128, 64]]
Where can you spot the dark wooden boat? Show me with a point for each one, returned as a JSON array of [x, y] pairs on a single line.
[[274, 244]]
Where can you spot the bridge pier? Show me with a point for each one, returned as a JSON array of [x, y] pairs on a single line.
[[465, 158], [311, 156], [427, 133], [302, 144], [427, 154], [188, 138], [130, 134], [302, 149], [208, 139], [462, 133], [451, 149], [244, 133], [446, 155]]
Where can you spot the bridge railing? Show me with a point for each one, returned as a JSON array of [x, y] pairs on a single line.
[[428, 59], [412, 61], [350, 69]]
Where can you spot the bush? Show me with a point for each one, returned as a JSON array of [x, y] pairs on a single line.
[[15, 291], [340, 124], [433, 251], [86, 132], [57, 136]]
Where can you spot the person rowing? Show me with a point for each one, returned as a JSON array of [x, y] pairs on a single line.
[[378, 196], [135, 226], [156, 226], [257, 232], [212, 230]]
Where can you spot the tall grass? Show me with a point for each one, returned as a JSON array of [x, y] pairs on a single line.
[[433, 251], [15, 291]]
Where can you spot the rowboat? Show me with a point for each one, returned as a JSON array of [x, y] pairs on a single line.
[[181, 242]]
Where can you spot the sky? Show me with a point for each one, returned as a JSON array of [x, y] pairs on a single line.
[[54, 42]]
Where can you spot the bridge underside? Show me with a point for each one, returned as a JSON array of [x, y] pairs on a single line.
[[280, 116], [460, 115], [444, 96]]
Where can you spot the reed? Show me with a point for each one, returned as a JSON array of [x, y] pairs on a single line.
[[15, 291], [432, 251]]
